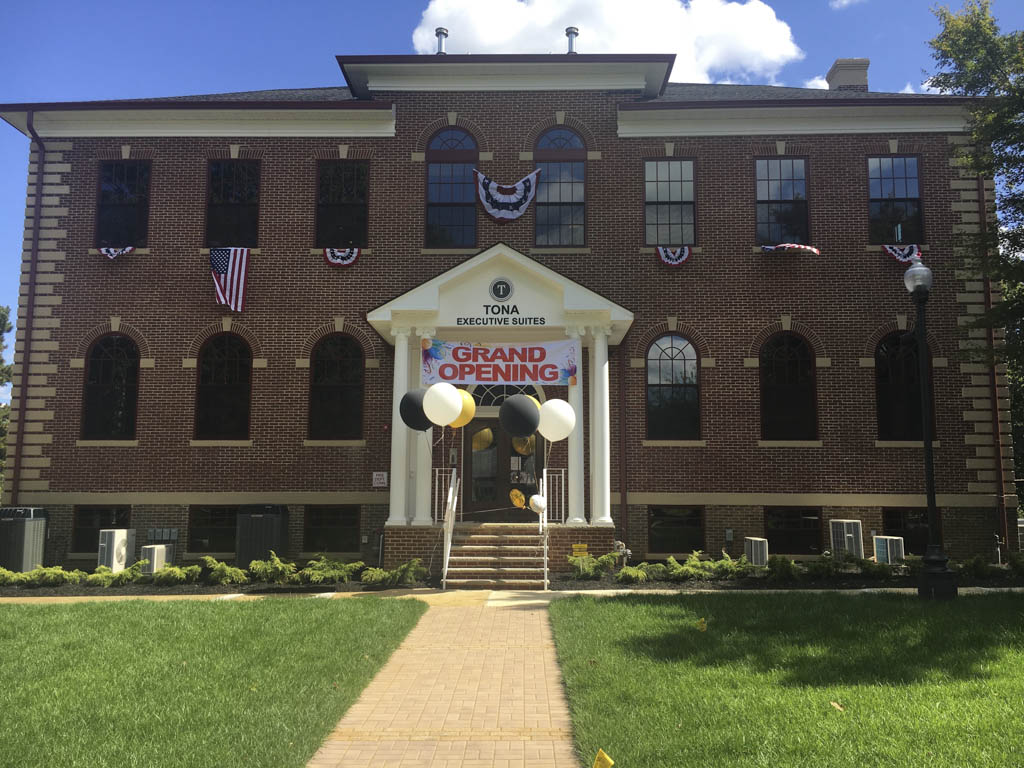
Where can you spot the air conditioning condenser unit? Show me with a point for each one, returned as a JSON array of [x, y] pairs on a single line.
[[158, 555], [888, 549], [756, 550], [117, 548], [847, 537]]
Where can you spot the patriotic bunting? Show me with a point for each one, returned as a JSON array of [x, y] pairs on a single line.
[[903, 254], [230, 268], [341, 257], [790, 247], [113, 253], [510, 203], [674, 257]]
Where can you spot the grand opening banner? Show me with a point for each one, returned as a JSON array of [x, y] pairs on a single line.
[[549, 362]]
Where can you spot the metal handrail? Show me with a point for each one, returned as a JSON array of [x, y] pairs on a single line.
[[449, 525]]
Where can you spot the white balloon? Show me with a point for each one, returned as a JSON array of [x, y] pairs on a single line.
[[538, 504], [442, 403], [557, 420]]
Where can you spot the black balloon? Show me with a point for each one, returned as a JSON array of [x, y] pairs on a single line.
[[519, 416], [411, 410]]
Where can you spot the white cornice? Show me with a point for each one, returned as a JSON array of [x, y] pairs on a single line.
[[774, 120], [208, 122]]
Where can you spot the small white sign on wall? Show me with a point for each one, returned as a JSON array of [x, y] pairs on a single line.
[[380, 479]]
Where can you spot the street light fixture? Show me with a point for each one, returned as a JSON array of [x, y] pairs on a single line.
[[937, 581]]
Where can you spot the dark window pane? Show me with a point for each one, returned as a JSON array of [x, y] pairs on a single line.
[[452, 139], [232, 205], [674, 530], [341, 213], [111, 389], [89, 521], [336, 389], [331, 529], [212, 529], [673, 399], [895, 207], [223, 389], [451, 206], [559, 139], [668, 200], [123, 215], [793, 531], [898, 388], [912, 525], [788, 410]]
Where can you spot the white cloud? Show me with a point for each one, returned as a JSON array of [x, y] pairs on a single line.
[[838, 5], [5, 394], [908, 88], [817, 82], [925, 87], [712, 39]]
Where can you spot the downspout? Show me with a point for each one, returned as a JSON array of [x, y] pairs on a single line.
[[623, 455], [14, 446], [996, 431]]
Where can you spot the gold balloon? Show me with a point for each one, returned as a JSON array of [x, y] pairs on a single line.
[[535, 401], [482, 440], [525, 446], [517, 498], [468, 410]]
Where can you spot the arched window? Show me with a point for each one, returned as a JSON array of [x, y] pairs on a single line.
[[111, 389], [561, 189], [451, 193], [496, 394], [788, 410], [336, 389], [673, 397], [898, 388], [223, 388]]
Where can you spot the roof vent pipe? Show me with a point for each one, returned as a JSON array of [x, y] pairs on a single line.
[[441, 34], [572, 33]]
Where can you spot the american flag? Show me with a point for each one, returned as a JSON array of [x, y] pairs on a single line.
[[230, 267]]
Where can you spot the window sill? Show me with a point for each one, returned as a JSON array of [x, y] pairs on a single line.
[[106, 443], [695, 250], [449, 251], [676, 555], [136, 252], [878, 246], [252, 251], [675, 443], [333, 443], [568, 251], [330, 555], [215, 555], [904, 444], [220, 443], [82, 555], [789, 444], [757, 250], [362, 251]]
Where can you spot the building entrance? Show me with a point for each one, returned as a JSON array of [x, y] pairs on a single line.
[[496, 464]]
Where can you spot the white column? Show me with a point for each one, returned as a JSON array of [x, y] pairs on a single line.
[[399, 432], [424, 471], [594, 433], [576, 441], [601, 513]]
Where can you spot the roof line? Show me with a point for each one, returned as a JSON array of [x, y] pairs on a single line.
[[55, 106], [641, 106]]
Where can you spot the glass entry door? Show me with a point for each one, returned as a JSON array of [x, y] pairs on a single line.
[[495, 463]]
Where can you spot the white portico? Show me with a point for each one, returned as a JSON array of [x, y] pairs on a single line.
[[460, 305]]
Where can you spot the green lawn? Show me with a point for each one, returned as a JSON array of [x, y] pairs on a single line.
[[919, 684], [184, 683]]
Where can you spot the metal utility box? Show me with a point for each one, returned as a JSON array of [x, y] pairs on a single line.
[[22, 537], [260, 528]]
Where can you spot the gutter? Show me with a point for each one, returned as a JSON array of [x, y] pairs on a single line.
[[623, 454], [14, 446]]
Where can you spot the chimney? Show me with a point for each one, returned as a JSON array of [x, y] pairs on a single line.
[[572, 33], [848, 75], [441, 34]]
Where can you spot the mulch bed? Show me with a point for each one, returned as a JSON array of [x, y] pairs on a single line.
[[562, 582], [141, 590]]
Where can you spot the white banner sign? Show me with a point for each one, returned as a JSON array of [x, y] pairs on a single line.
[[548, 362]]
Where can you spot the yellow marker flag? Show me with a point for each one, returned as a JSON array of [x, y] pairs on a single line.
[[602, 760]]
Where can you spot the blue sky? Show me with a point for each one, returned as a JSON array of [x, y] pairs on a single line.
[[73, 50]]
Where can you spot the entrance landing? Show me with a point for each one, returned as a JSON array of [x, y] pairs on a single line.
[[471, 686]]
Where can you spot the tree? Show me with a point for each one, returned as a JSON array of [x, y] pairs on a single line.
[[974, 59], [5, 378]]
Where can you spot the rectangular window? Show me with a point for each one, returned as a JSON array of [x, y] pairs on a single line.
[[332, 529], [793, 531], [341, 203], [561, 204], [781, 201], [233, 204], [451, 206], [911, 524], [895, 201], [668, 202], [122, 218], [89, 521], [212, 529], [674, 530]]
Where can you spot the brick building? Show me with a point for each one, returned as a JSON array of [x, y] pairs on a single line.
[[738, 393]]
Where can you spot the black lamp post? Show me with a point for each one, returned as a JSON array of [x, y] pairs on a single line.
[[937, 581]]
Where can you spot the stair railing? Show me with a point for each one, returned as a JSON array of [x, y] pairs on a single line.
[[449, 525], [542, 525]]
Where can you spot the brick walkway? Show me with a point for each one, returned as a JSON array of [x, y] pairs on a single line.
[[473, 686]]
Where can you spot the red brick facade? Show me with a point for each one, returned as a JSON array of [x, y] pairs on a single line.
[[725, 299]]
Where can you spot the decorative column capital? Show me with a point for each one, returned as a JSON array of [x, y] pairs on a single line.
[[399, 332], [426, 333], [600, 330], [574, 331]]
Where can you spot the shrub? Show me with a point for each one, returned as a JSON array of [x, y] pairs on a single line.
[[9, 577], [54, 576], [584, 567], [129, 575], [980, 568], [825, 567], [1013, 559], [405, 574], [914, 565], [608, 562], [222, 573], [692, 569], [631, 575], [323, 571], [782, 569], [654, 571], [101, 577], [171, 575], [272, 571], [872, 570], [727, 568]]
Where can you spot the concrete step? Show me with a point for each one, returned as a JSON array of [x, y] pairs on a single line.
[[495, 584], [494, 560], [509, 550], [463, 572]]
